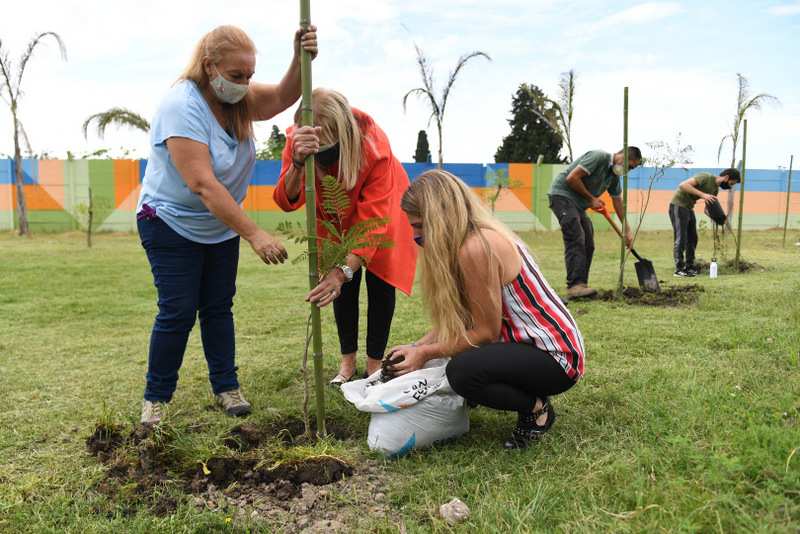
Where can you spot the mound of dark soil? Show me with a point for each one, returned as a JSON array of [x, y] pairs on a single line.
[[289, 431], [103, 441], [668, 296], [140, 470], [728, 267]]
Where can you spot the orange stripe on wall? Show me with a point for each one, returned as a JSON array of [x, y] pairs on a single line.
[[37, 198], [51, 178], [259, 198], [126, 180], [521, 176], [7, 197]]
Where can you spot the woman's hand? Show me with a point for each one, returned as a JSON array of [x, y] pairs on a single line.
[[305, 142], [414, 357], [328, 289], [307, 39], [268, 248]]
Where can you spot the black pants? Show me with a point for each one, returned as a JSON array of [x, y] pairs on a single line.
[[380, 310], [578, 233], [684, 229], [506, 376]]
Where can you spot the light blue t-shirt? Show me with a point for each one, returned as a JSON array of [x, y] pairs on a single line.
[[185, 113]]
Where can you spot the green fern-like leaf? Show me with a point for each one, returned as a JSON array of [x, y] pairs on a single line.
[[335, 201]]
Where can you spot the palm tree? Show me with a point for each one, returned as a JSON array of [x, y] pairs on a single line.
[[118, 117], [566, 107], [428, 90], [744, 103], [11, 84]]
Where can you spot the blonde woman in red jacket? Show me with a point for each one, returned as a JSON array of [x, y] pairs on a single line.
[[349, 145]]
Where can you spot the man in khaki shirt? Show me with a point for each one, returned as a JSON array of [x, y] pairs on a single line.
[[681, 214]]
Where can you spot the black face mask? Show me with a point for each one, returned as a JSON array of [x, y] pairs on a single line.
[[326, 158], [725, 185]]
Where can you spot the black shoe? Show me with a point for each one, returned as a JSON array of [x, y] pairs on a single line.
[[527, 430], [692, 271]]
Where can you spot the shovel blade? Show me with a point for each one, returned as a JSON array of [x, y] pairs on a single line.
[[646, 274]]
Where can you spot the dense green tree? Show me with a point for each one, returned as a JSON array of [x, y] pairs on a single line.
[[534, 129], [273, 146], [423, 152]]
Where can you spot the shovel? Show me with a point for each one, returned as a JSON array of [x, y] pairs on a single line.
[[645, 272]]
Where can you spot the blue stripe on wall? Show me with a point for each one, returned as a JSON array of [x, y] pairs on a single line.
[[30, 171], [763, 180], [474, 174], [6, 171]]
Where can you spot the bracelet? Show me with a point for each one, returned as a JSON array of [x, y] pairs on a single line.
[[298, 164]]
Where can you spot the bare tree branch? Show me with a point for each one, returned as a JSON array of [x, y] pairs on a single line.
[[28, 54]]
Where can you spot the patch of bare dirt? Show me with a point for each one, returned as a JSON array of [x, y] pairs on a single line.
[[289, 431], [668, 296], [316, 494]]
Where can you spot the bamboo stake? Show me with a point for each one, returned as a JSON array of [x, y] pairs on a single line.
[[741, 200], [788, 199], [307, 119], [624, 214]]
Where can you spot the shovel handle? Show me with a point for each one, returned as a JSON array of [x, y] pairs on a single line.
[[619, 231]]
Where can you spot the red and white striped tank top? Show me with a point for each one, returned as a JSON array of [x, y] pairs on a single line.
[[533, 313]]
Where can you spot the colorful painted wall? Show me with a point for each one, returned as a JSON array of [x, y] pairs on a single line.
[[57, 194]]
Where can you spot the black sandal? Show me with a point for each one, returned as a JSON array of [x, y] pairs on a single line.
[[527, 430]]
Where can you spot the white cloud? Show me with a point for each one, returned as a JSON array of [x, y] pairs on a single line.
[[785, 10]]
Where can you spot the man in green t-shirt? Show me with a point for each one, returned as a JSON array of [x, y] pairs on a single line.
[[576, 189], [681, 214]]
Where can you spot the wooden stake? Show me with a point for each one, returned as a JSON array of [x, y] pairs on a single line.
[[307, 119]]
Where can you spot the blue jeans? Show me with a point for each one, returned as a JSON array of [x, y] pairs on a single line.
[[190, 278]]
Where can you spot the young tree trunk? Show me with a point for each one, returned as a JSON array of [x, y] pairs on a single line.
[[624, 214], [439, 128], [311, 225], [22, 211], [788, 199], [91, 220], [741, 199]]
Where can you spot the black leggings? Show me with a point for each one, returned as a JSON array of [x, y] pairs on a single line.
[[506, 376], [380, 310]]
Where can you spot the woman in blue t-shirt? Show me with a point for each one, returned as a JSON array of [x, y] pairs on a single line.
[[189, 214]]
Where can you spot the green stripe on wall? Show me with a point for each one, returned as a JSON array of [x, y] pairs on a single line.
[[101, 178]]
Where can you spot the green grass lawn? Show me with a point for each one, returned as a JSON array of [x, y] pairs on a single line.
[[687, 418]]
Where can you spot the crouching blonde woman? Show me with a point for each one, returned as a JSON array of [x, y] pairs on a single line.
[[351, 146], [189, 215], [511, 341]]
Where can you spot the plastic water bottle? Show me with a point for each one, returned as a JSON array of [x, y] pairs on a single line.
[[712, 268]]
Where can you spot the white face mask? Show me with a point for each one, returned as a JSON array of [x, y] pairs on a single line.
[[227, 91], [618, 169]]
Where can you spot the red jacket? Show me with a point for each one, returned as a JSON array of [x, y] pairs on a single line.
[[377, 193]]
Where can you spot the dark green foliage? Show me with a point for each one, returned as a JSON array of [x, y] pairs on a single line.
[[273, 146], [534, 129], [339, 242], [423, 152]]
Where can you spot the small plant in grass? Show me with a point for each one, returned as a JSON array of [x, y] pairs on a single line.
[[85, 214], [333, 248]]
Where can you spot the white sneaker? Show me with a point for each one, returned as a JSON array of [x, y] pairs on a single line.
[[152, 412], [233, 402]]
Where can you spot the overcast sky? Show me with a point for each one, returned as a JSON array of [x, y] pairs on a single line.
[[679, 59]]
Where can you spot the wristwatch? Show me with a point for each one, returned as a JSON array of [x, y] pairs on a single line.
[[348, 272]]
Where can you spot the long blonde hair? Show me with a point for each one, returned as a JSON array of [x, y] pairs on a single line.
[[333, 115], [213, 46], [450, 213]]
